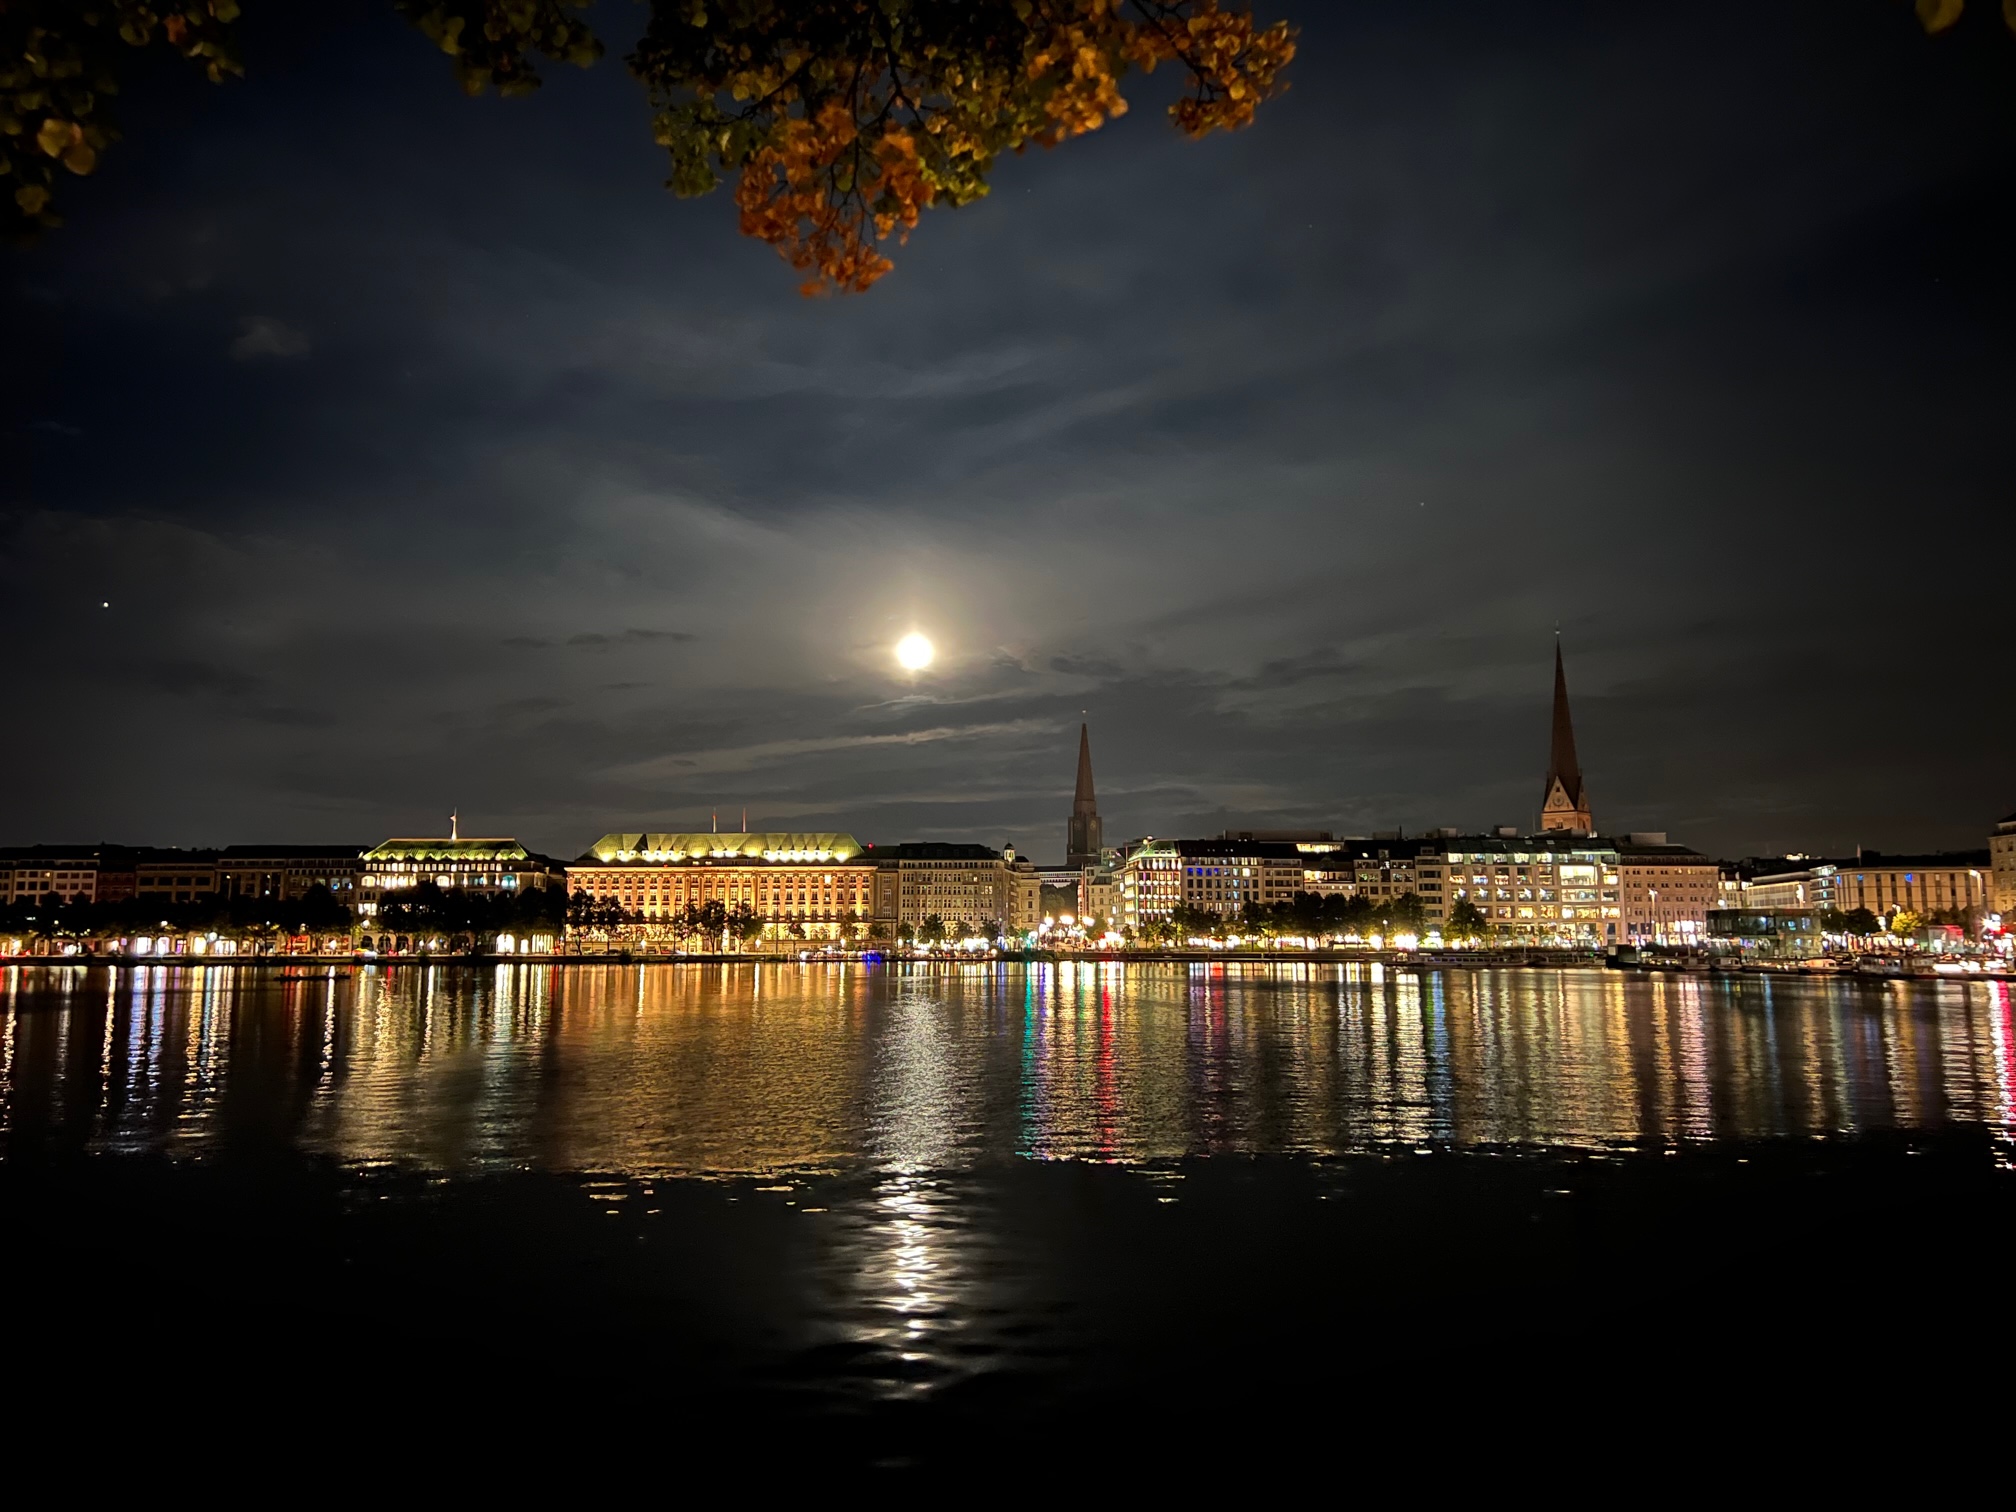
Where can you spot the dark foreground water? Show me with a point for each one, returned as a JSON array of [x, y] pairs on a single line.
[[1185, 1220]]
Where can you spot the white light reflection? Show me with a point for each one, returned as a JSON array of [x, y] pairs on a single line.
[[907, 1273]]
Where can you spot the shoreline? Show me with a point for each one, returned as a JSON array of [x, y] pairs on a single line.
[[1408, 963]]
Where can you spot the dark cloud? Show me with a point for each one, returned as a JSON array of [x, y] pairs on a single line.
[[187, 677], [625, 637], [261, 336], [1085, 666], [1279, 457]]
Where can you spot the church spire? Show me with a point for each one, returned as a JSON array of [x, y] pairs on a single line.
[[1564, 802], [1084, 836]]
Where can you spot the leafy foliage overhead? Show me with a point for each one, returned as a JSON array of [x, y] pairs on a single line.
[[59, 62], [840, 121]]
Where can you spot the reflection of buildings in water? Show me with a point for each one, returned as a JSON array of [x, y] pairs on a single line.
[[672, 1069], [652, 1071], [2001, 1048], [1102, 1064]]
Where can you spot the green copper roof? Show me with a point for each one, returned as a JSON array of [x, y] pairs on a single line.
[[448, 850], [775, 846]]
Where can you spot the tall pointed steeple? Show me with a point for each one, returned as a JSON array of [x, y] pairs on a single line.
[[1084, 836], [1564, 802]]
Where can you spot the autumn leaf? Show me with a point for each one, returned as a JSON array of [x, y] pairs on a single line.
[[841, 122], [57, 137]]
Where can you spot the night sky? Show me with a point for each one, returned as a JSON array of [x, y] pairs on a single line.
[[429, 455]]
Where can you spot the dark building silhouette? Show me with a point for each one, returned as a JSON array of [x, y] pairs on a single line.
[[1084, 837], [1564, 802]]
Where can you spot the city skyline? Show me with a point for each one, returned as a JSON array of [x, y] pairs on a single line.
[[1561, 808]]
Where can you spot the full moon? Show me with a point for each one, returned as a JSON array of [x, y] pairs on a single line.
[[914, 652]]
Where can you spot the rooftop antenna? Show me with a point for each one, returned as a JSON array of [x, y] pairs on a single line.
[[455, 824], [715, 817], [745, 818]]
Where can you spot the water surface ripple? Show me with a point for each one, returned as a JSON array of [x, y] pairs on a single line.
[[826, 1069]]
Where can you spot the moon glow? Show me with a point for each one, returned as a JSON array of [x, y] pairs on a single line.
[[914, 652]]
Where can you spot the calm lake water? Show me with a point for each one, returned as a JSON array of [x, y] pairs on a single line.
[[899, 1217], [816, 1069]]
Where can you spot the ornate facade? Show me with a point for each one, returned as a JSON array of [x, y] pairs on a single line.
[[810, 886]]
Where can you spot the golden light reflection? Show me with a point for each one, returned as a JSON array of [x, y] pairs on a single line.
[[728, 1070]]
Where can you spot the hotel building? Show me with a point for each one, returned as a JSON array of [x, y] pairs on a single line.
[[498, 867], [809, 886], [821, 883]]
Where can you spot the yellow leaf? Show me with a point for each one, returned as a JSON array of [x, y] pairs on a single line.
[[1937, 15], [80, 159], [31, 198], [56, 136], [2009, 13]]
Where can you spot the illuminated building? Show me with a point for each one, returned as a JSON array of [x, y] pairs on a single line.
[[1025, 891], [1223, 876], [812, 886], [1947, 882], [1808, 887], [1330, 875], [495, 866], [1099, 895], [966, 887], [2002, 865], [1549, 887], [1384, 870], [1151, 883], [1564, 801], [1788, 932], [1667, 891], [1084, 835]]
